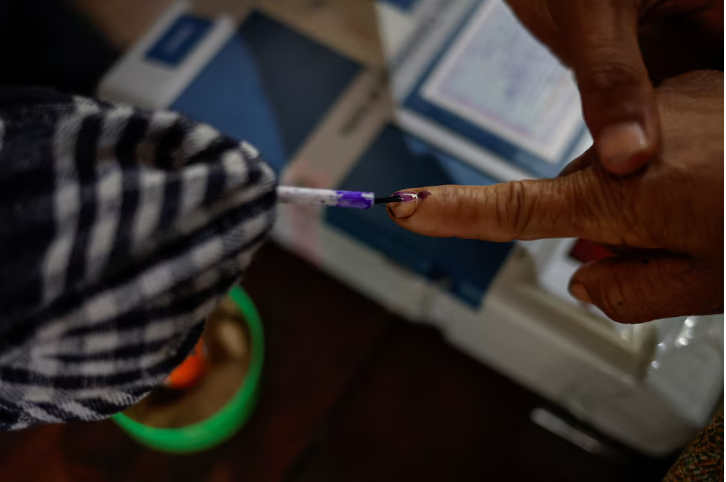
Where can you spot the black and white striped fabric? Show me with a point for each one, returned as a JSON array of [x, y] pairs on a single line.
[[119, 231]]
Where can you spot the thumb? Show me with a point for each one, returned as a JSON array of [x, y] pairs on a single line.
[[638, 289], [618, 98]]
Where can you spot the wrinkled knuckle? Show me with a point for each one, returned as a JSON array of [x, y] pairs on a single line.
[[609, 76], [580, 212], [513, 210], [588, 210]]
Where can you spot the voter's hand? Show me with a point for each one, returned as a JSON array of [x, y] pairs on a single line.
[[665, 222]]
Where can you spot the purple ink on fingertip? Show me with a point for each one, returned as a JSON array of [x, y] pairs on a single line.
[[406, 196]]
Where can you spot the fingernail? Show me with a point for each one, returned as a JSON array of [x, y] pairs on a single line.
[[578, 291], [407, 206], [616, 144]]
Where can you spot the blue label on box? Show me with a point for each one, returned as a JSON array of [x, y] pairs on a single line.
[[261, 87], [179, 40], [402, 4]]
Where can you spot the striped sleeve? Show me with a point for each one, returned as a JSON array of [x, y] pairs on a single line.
[[120, 229]]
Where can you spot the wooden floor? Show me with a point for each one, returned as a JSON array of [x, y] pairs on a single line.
[[350, 393]]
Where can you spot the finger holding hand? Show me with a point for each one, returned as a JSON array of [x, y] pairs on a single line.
[[618, 98], [641, 284], [664, 224], [598, 39]]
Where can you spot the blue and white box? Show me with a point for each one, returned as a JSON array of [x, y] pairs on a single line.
[[470, 98]]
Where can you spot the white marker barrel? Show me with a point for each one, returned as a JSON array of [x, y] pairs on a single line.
[[325, 197]]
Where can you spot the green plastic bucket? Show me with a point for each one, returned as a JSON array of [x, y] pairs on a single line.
[[229, 419]]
